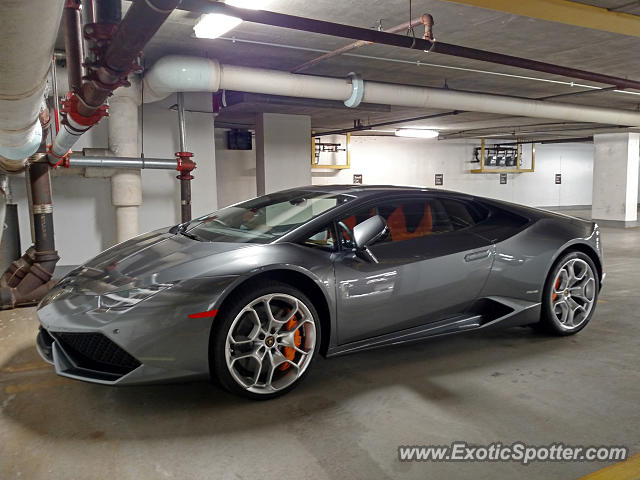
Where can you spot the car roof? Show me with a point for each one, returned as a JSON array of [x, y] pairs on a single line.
[[362, 191]]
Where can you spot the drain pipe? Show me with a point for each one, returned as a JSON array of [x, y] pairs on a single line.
[[195, 74], [126, 184], [72, 26], [115, 53], [28, 279], [185, 165]]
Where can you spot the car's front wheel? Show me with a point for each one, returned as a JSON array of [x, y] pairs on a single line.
[[570, 294], [264, 340]]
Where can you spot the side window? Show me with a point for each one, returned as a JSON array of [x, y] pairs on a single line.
[[463, 214], [406, 219], [324, 240]]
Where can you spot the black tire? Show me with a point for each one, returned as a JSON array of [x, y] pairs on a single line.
[[224, 321], [549, 322]]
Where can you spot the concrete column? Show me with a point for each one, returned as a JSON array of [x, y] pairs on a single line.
[[126, 185], [615, 178], [283, 152]]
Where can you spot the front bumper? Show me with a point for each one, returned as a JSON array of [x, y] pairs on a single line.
[[155, 341], [86, 356]]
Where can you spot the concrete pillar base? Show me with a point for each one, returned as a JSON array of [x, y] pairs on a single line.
[[615, 178]]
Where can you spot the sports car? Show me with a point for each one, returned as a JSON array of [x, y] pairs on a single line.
[[250, 294]]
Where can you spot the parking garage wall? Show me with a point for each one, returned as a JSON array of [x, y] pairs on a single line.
[[407, 161]]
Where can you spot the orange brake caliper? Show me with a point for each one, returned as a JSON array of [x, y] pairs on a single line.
[[555, 295], [289, 352]]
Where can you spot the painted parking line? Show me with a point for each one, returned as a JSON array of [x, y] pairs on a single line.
[[627, 470]]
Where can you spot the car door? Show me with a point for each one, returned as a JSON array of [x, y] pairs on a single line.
[[431, 266]]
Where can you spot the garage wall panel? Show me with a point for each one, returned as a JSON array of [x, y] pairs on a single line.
[[408, 161]]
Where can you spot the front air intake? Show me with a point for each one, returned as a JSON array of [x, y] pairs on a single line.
[[94, 351]]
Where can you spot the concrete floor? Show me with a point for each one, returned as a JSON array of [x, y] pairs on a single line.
[[350, 414]]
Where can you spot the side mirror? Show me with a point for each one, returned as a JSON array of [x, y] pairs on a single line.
[[367, 233]]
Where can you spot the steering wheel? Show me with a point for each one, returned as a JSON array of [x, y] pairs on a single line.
[[349, 233]]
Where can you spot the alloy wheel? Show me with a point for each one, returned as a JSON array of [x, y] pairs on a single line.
[[573, 294], [270, 343]]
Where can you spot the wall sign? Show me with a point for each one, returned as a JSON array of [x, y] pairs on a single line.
[[558, 178], [357, 179], [503, 179], [439, 179]]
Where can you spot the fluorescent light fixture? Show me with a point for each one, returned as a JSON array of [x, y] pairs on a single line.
[[250, 4], [212, 25], [417, 133]]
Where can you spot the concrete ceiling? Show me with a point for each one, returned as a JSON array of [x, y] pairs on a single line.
[[565, 45]]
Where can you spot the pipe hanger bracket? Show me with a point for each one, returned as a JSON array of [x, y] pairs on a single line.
[[357, 90]]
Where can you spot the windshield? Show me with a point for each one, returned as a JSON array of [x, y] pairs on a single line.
[[263, 219]]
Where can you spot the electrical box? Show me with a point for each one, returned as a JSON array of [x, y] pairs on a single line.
[[238, 139]]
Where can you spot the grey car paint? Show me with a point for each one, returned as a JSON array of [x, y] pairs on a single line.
[[491, 275]]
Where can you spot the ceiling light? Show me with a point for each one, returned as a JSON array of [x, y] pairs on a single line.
[[251, 4], [417, 133], [212, 25]]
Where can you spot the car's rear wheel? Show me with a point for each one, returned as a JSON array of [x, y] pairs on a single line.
[[570, 294], [265, 340]]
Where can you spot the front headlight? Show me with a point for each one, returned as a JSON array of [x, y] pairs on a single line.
[[125, 299], [56, 293]]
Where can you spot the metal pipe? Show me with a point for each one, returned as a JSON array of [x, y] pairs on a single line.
[[181, 126], [142, 21], [357, 44], [552, 141], [347, 31], [76, 160], [384, 124], [72, 25], [89, 11], [42, 206], [28, 279], [54, 91], [108, 11], [185, 165], [574, 94]]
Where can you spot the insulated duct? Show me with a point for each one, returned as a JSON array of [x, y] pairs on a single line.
[[194, 74], [28, 34]]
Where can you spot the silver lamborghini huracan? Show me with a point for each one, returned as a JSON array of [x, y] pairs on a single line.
[[248, 295]]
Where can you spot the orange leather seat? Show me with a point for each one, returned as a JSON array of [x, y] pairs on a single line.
[[397, 223]]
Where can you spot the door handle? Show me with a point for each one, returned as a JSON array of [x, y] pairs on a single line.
[[470, 257]]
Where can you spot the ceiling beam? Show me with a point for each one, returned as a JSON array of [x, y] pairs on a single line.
[[564, 11]]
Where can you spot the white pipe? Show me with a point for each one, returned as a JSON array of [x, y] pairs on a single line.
[[194, 74], [126, 185], [27, 37], [420, 63]]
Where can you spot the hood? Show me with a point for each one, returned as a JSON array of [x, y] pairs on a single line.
[[153, 258]]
